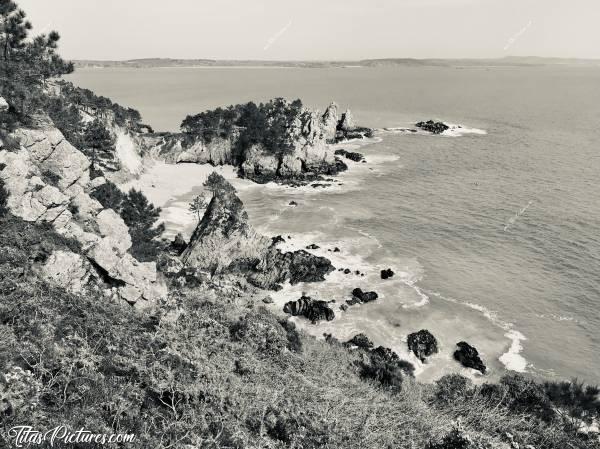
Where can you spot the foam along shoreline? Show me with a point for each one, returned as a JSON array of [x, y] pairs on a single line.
[[172, 186], [454, 130]]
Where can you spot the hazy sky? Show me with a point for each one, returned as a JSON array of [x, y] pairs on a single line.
[[319, 29]]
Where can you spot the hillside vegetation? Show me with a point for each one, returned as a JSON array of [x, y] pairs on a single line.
[[205, 366]]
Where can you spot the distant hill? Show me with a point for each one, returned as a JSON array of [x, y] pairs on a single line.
[[387, 62]]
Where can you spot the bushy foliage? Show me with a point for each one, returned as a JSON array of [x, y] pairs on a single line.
[[268, 124], [138, 214], [27, 63], [3, 198], [385, 367], [451, 388]]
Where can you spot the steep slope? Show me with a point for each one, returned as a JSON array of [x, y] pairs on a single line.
[[48, 181]]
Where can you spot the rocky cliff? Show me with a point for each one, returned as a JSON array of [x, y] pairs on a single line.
[[48, 181], [225, 243], [309, 156]]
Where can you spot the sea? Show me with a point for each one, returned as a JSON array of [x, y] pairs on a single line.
[[492, 230]]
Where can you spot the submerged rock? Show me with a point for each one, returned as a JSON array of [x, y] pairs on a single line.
[[433, 127], [468, 356], [422, 344], [310, 308], [313, 246]]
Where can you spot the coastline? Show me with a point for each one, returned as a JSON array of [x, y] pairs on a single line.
[[162, 184]]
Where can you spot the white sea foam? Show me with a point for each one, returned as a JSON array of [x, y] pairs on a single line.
[[459, 130], [511, 359], [454, 130]]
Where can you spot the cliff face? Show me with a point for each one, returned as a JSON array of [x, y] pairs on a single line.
[[225, 243], [48, 181]]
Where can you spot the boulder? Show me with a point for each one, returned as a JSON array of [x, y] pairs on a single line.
[[468, 356], [422, 344], [67, 269], [313, 246], [267, 300], [364, 296], [3, 105], [310, 308], [387, 273]]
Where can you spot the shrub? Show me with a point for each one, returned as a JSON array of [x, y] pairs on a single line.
[[385, 367], [451, 388], [3, 198]]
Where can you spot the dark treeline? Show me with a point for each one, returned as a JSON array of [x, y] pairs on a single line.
[[267, 124]]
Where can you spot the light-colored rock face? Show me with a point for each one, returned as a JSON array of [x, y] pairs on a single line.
[[3, 105], [259, 163], [329, 122], [48, 181], [347, 122], [67, 269]]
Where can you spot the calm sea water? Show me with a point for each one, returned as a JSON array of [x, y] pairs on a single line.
[[495, 238]]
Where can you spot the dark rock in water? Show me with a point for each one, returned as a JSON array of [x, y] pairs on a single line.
[[277, 239], [267, 300], [468, 356], [356, 157], [422, 344], [178, 245], [293, 203], [313, 246], [364, 296], [433, 127], [388, 273], [353, 301], [322, 185], [347, 271], [344, 307], [336, 250], [357, 272], [310, 308], [360, 340]]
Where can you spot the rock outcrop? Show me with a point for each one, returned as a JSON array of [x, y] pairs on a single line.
[[306, 158], [353, 156], [224, 242], [312, 309], [48, 180], [433, 127], [468, 356], [422, 344]]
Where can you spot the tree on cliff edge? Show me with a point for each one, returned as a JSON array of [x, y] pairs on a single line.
[[26, 63]]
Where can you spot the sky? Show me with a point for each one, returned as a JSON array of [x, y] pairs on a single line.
[[319, 29]]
